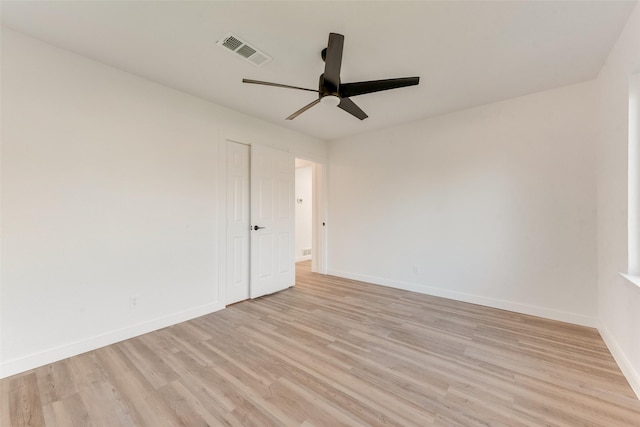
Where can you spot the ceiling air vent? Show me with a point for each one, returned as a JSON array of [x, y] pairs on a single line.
[[241, 48]]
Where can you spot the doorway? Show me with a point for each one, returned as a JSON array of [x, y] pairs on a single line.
[[311, 218], [259, 221], [304, 211], [261, 242]]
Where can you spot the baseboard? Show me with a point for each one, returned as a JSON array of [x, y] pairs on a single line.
[[517, 307], [632, 376], [303, 258], [26, 363]]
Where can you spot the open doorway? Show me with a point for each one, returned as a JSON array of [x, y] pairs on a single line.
[[304, 212], [309, 215]]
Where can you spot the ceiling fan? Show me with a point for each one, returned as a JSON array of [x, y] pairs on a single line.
[[331, 89]]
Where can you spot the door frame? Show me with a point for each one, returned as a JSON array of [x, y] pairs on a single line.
[[318, 214], [319, 247]]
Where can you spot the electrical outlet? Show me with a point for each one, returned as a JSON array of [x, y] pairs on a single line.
[[134, 301]]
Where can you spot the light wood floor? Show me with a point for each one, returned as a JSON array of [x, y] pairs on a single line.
[[333, 352]]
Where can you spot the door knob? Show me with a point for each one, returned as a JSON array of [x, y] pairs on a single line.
[[255, 227]]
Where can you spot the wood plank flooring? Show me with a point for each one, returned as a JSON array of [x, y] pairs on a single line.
[[335, 352]]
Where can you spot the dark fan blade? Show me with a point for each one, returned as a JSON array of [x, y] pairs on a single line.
[[333, 60], [258, 82], [303, 109], [360, 88], [350, 107]]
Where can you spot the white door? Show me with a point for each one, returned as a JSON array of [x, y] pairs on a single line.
[[237, 222], [272, 220]]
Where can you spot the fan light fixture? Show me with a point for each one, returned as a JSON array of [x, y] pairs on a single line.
[[330, 100]]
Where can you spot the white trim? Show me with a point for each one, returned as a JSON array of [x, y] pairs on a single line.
[[319, 239], [533, 310], [632, 278], [222, 218], [626, 367], [55, 354], [633, 217], [303, 258]]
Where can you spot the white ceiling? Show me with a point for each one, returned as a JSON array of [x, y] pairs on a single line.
[[465, 53]]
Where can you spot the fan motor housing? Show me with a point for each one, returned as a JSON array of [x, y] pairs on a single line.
[[325, 88]]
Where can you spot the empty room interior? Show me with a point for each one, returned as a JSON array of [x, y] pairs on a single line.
[[320, 213]]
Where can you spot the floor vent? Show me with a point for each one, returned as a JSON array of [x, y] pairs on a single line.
[[243, 49]]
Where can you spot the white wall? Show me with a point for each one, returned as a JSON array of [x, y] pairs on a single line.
[[494, 205], [619, 299], [304, 211], [110, 188]]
